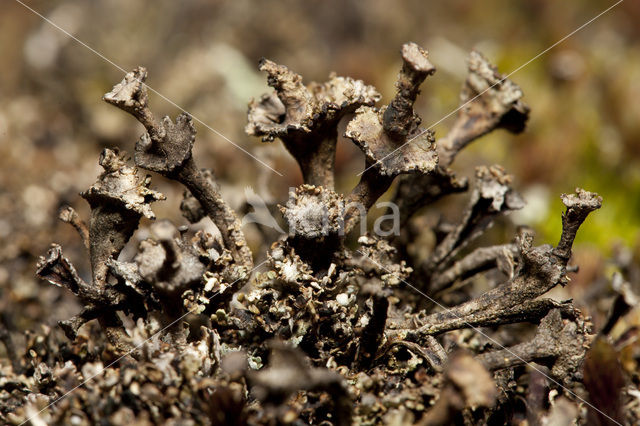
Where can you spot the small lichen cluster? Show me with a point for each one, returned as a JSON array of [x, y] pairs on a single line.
[[188, 332]]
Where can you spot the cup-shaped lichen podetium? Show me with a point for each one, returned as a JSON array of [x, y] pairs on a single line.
[[314, 215], [118, 200], [306, 118]]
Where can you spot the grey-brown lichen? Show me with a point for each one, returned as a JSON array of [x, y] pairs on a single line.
[[488, 101], [385, 154], [399, 118], [314, 212], [306, 118], [332, 330]]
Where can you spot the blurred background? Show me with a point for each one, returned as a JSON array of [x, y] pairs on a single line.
[[584, 94]]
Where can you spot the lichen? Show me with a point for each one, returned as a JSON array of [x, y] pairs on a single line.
[[334, 328]]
